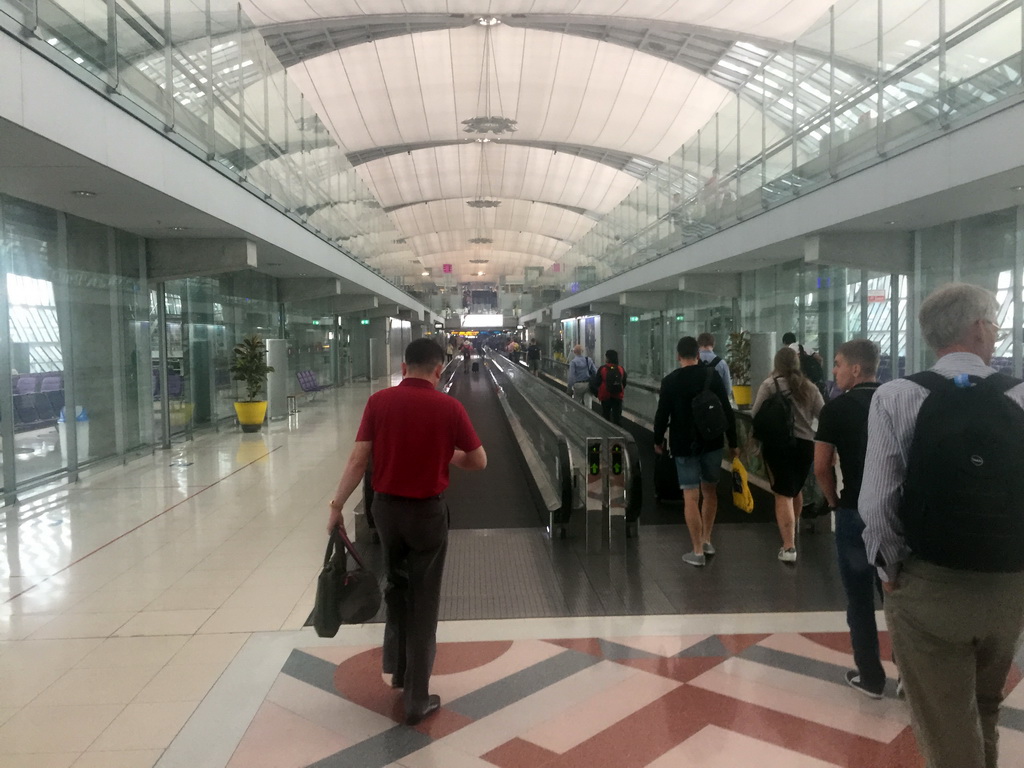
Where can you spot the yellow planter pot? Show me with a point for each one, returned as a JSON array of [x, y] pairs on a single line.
[[741, 393], [251, 415]]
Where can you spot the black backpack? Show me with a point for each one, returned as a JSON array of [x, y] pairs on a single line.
[[773, 422], [963, 496], [711, 363], [812, 369], [708, 414], [613, 380]]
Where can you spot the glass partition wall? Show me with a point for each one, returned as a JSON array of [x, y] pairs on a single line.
[[825, 305], [84, 324]]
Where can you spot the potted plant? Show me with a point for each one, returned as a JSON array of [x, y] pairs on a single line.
[[739, 366], [250, 367]]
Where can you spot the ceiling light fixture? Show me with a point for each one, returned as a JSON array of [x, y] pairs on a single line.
[[488, 21], [178, 229], [425, 273], [478, 274], [480, 240], [83, 193], [1018, 188], [486, 120]]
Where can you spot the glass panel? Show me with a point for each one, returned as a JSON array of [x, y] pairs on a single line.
[[140, 58], [79, 29], [191, 72], [37, 355], [985, 67], [989, 249]]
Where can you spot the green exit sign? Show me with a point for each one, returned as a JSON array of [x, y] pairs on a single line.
[[634, 318], [364, 321], [680, 318]]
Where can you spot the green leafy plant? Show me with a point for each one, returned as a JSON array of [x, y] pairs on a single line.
[[739, 357], [249, 365]]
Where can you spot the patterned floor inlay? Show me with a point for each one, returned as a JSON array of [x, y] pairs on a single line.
[[715, 701]]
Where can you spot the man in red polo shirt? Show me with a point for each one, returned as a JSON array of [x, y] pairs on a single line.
[[413, 432]]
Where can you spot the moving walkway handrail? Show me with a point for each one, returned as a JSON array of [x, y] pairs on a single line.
[[545, 438], [575, 423]]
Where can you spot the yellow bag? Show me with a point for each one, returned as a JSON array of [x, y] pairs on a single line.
[[742, 498]]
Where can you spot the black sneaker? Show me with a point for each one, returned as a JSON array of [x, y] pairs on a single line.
[[853, 680]]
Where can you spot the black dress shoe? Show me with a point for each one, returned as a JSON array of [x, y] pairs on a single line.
[[417, 714], [398, 680]]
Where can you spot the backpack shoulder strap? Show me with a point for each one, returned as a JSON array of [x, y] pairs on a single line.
[[931, 380], [714, 363], [1000, 382], [708, 378]]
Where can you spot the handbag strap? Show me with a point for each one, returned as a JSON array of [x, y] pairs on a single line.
[[349, 547]]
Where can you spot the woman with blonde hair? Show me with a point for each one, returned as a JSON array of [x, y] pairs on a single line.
[[789, 458]]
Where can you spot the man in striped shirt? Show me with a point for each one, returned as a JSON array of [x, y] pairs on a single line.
[[954, 630]]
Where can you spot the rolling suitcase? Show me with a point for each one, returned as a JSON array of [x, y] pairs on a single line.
[[476, 366]]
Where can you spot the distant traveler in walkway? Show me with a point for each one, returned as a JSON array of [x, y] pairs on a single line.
[[706, 342], [810, 361], [467, 353], [843, 432], [611, 387], [698, 430], [786, 432], [533, 357], [450, 351], [942, 503], [412, 432], [581, 368]]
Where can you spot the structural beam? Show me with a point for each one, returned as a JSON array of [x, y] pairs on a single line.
[[297, 289], [179, 258], [886, 252], [727, 285]]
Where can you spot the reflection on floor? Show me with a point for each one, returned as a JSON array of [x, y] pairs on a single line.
[[709, 700]]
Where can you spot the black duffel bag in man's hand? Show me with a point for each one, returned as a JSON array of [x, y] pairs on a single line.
[[343, 596]]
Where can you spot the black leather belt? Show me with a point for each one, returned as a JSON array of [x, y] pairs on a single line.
[[393, 497]]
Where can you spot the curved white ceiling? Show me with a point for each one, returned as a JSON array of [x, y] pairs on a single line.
[[515, 215], [493, 170], [415, 91], [419, 88], [779, 19], [502, 240]]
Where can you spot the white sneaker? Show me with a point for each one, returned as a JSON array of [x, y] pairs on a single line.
[[692, 558], [787, 555], [709, 548]]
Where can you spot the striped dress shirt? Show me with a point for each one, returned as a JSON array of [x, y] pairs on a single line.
[[893, 415]]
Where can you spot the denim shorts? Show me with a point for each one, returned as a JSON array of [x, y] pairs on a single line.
[[694, 470]]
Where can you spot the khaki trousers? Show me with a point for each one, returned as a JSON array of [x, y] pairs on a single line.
[[954, 634]]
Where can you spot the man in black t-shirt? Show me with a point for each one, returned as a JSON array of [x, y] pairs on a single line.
[[843, 430], [698, 461]]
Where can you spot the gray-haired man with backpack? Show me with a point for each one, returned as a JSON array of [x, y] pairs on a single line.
[[943, 505]]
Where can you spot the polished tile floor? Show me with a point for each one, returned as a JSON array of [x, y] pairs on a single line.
[[151, 614]]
